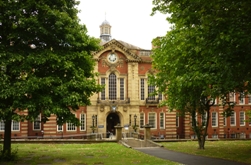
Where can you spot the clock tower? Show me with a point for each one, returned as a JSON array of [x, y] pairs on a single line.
[[105, 31]]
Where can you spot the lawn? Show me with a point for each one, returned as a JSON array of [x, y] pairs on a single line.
[[231, 150], [82, 154]]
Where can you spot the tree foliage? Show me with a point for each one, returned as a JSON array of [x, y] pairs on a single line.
[[205, 55], [45, 59]]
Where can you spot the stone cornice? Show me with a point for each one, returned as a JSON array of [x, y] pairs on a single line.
[[114, 45]]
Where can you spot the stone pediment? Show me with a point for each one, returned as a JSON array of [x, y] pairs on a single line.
[[123, 47]]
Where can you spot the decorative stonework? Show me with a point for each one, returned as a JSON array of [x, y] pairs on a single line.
[[102, 108], [118, 63]]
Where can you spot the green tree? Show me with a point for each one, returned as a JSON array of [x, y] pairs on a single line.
[[205, 55], [46, 62]]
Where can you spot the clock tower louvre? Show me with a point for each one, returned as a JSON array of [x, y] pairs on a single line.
[[105, 31]]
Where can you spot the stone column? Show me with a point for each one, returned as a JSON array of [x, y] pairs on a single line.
[[147, 133], [118, 132]]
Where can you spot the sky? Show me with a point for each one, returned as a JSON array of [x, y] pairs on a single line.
[[130, 20]]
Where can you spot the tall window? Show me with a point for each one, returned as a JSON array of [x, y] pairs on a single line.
[[1, 125], [233, 119], [242, 118], [242, 98], [152, 120], [15, 125], [82, 122], [224, 121], [160, 96], [103, 91], [142, 120], [37, 123], [161, 120], [249, 98], [177, 119], [142, 89], [214, 119], [112, 87], [122, 89], [204, 119], [232, 97], [151, 89]]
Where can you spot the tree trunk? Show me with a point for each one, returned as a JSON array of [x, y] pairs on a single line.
[[201, 142], [7, 137]]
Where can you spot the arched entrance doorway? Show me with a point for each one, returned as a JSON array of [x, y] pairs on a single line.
[[111, 121]]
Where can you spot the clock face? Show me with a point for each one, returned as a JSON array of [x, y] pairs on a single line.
[[112, 57]]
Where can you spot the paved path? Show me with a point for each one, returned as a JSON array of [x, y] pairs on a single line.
[[185, 159]]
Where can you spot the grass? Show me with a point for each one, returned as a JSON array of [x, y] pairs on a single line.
[[232, 150], [82, 154]]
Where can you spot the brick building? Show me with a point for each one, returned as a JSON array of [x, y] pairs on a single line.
[[123, 69]]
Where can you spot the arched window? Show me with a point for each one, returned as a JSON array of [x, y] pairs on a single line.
[[112, 86]]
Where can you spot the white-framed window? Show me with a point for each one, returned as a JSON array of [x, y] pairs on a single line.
[[122, 89], [162, 120], [15, 126], [70, 127], [142, 89], [151, 89], [103, 90], [82, 122], [112, 86], [249, 98], [152, 119], [232, 96], [2, 125], [142, 120], [224, 121], [241, 98], [233, 119], [59, 128], [204, 119], [37, 123], [242, 118], [177, 119], [214, 119]]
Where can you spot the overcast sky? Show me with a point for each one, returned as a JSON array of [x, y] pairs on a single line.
[[130, 20]]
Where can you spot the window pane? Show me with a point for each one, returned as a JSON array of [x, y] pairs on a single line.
[[112, 87], [152, 120], [82, 122], [1, 125], [15, 126], [142, 120], [142, 89], [151, 89], [242, 118], [37, 123], [103, 91], [122, 89], [59, 128], [71, 127], [214, 119], [232, 119], [162, 120]]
